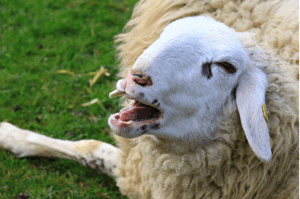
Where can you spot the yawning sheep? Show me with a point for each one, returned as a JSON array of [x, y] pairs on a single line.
[[212, 113], [210, 91]]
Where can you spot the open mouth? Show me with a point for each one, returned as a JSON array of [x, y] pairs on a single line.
[[138, 113]]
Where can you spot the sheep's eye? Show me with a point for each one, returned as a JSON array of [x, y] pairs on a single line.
[[229, 68], [138, 75]]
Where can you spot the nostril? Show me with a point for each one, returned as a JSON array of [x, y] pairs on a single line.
[[142, 80]]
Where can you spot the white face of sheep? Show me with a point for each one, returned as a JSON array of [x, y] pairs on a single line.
[[181, 83]]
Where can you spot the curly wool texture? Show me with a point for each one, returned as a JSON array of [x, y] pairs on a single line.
[[226, 167]]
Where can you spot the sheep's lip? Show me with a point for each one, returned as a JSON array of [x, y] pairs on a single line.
[[137, 113]]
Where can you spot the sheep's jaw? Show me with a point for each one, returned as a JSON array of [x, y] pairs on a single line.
[[137, 114]]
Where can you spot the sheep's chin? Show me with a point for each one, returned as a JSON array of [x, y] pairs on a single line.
[[134, 120]]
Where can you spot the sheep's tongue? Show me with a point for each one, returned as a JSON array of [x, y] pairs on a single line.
[[135, 113]]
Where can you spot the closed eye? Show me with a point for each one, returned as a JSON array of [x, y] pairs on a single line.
[[138, 75], [229, 68]]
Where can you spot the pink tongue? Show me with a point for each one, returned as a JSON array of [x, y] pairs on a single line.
[[135, 113]]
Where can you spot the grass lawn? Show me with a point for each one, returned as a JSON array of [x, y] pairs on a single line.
[[37, 39]]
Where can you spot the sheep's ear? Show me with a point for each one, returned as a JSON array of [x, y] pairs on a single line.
[[250, 98]]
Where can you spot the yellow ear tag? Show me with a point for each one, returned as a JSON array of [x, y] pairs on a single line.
[[265, 113]]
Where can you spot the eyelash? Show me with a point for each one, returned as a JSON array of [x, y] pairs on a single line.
[[229, 68]]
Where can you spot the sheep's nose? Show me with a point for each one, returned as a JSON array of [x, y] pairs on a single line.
[[141, 79]]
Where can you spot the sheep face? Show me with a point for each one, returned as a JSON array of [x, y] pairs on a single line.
[[183, 81]]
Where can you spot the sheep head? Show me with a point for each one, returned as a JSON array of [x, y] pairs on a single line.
[[183, 81]]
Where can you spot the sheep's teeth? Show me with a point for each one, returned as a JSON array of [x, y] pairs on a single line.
[[116, 93]]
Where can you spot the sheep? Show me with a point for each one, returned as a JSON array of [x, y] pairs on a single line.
[[211, 100], [219, 112]]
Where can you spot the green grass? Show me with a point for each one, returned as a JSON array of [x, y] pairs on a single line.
[[37, 38]]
